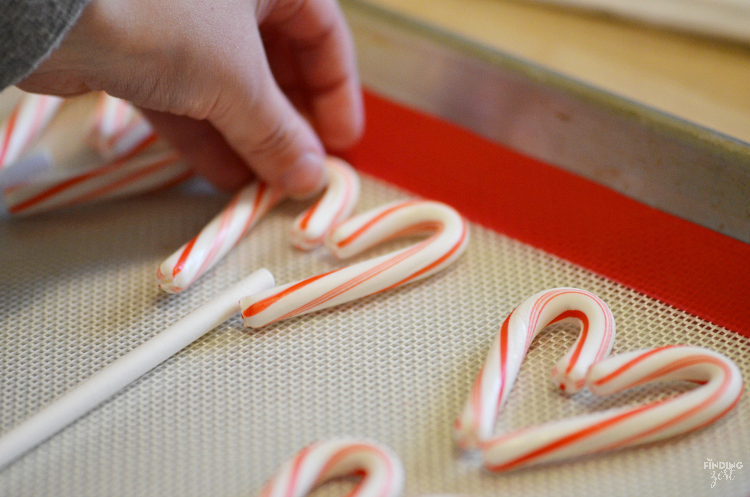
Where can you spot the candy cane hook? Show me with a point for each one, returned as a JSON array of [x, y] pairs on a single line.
[[381, 470], [336, 204], [495, 381]]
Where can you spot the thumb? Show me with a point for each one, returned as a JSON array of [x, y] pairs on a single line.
[[261, 125]]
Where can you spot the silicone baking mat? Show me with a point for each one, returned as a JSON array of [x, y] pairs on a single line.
[[78, 291]]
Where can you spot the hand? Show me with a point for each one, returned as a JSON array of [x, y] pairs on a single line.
[[267, 84]]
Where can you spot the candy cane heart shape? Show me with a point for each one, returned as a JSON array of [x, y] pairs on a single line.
[[381, 470], [720, 388], [201, 253], [336, 204], [449, 239], [495, 380]]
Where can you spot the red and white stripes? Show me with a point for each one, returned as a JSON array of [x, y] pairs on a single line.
[[247, 207], [381, 471], [157, 168], [111, 116], [495, 380], [375, 275], [118, 128], [29, 118], [720, 388], [200, 254], [336, 204]]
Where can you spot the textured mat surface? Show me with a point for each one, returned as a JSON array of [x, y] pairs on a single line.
[[77, 290]]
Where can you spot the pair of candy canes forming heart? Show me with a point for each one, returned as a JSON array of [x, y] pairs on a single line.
[[585, 365]]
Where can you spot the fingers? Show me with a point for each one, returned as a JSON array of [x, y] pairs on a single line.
[[203, 147], [262, 126], [323, 53]]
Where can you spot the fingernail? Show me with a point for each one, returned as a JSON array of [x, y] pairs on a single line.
[[306, 177]]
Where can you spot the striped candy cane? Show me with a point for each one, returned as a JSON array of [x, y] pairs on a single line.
[[375, 275], [25, 123], [381, 470], [111, 116], [495, 380], [247, 207], [200, 254], [720, 388], [158, 168], [137, 134], [341, 195], [118, 128]]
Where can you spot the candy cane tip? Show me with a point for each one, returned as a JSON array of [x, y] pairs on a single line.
[[567, 383], [165, 283]]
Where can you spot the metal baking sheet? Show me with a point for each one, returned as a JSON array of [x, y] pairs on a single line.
[[658, 159]]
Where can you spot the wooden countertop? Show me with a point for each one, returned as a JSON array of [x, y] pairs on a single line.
[[706, 81]]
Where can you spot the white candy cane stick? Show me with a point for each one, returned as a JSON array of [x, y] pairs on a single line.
[[25, 123], [381, 470], [247, 207], [125, 370], [157, 168], [495, 380], [721, 388], [200, 254], [375, 275], [332, 208]]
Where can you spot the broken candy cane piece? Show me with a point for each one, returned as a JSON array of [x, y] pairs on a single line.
[[508, 350], [375, 275]]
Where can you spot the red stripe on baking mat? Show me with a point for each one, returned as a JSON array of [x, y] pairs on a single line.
[[660, 255]]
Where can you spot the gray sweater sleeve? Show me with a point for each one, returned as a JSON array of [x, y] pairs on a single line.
[[29, 31]]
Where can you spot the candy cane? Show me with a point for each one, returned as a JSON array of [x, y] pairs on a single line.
[[115, 376], [375, 275], [118, 129], [721, 388], [495, 381], [62, 148], [128, 140], [158, 168], [381, 470], [112, 115], [201, 253], [331, 209], [247, 207], [25, 123]]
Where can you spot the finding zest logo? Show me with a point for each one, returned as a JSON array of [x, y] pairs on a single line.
[[721, 470]]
